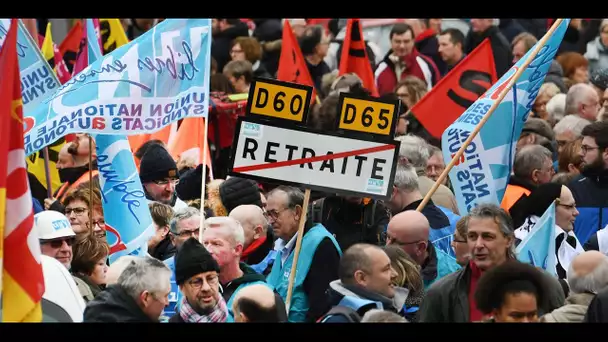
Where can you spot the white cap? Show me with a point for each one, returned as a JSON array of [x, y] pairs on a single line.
[[52, 224]]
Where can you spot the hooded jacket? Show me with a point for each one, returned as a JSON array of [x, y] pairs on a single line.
[[114, 305], [340, 294]]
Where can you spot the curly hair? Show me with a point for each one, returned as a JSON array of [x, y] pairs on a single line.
[[509, 278]]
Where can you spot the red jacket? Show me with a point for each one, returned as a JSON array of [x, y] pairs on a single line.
[[417, 65]]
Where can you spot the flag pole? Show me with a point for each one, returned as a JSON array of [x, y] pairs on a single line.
[[47, 173], [485, 118], [296, 253], [203, 181], [91, 185]]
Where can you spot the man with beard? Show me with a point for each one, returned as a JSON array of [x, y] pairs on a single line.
[[73, 167], [197, 275], [158, 175], [591, 191]]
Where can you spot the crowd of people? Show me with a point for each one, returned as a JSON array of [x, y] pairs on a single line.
[[361, 259]]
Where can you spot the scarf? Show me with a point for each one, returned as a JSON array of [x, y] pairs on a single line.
[[218, 315], [252, 247]]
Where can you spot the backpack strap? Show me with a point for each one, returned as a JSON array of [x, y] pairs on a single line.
[[350, 314]]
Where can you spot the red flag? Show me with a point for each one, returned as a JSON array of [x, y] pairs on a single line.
[[22, 281], [190, 141], [292, 66], [457, 91], [70, 46], [354, 56]]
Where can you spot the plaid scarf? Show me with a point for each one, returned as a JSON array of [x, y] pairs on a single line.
[[219, 313]]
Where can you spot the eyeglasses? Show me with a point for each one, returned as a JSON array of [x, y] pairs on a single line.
[[586, 148], [164, 182], [57, 243], [194, 232], [274, 214], [393, 241], [568, 206], [197, 283], [78, 211]]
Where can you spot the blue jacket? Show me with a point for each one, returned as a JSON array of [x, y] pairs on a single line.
[[174, 296], [438, 266], [279, 276], [591, 196]]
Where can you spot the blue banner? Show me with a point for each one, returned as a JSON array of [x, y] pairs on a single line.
[[125, 207], [481, 174], [538, 247], [38, 81], [141, 87]]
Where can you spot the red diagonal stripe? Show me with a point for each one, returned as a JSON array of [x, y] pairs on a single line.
[[313, 159]]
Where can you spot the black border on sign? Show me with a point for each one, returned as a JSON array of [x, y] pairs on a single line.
[[364, 135], [250, 99], [287, 126]]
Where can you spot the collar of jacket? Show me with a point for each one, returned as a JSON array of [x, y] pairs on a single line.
[[524, 183]]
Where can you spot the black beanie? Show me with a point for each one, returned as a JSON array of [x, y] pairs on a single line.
[[236, 191], [157, 164], [191, 259]]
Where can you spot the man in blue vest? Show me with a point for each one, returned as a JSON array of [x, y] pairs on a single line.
[[365, 283], [317, 262], [224, 239], [184, 225], [410, 231]]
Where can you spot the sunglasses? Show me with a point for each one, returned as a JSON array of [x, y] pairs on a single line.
[[59, 242]]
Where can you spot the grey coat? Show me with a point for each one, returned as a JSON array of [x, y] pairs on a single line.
[[447, 300], [573, 312]]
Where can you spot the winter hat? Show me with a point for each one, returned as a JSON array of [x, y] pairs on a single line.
[[192, 259], [157, 164], [238, 191], [599, 78], [540, 127]]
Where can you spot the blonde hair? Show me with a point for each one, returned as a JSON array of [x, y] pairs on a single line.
[[408, 272]]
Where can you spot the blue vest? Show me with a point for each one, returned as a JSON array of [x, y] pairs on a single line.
[[263, 265], [230, 317], [175, 296], [355, 303], [445, 265], [442, 238], [278, 278]]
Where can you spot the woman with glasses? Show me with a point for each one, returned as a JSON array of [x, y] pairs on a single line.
[[77, 211], [89, 265], [528, 210]]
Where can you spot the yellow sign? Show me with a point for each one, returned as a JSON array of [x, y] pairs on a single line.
[[280, 100], [366, 115]]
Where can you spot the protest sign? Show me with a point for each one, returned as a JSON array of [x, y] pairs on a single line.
[[279, 100], [325, 162], [141, 87], [367, 115]]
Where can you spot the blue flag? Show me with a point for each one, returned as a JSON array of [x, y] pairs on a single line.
[[141, 87], [538, 247], [38, 81], [481, 174], [125, 207]]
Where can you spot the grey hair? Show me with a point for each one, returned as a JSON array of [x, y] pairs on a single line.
[[591, 282], [433, 150], [415, 150], [498, 215], [406, 178], [382, 316], [530, 158], [572, 123], [556, 107], [577, 94], [230, 224], [117, 267], [295, 196], [182, 214], [145, 274]]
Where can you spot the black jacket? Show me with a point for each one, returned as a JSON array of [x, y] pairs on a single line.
[[501, 49], [266, 31], [591, 195], [598, 308], [352, 223], [164, 250], [114, 305], [437, 219], [316, 73], [249, 276], [429, 46], [510, 28], [447, 300], [221, 42], [262, 250]]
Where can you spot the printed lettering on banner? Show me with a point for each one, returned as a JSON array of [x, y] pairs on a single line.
[[279, 100], [299, 156], [141, 87], [367, 115]]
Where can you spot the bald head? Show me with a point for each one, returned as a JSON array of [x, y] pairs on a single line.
[[65, 159], [410, 231], [255, 303], [252, 220], [588, 272]]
